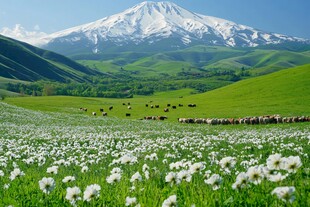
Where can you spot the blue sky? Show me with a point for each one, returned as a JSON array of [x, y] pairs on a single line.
[[290, 17]]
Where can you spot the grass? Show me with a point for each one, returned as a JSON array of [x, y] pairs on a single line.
[[285, 92]]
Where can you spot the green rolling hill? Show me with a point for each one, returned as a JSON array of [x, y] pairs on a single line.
[[285, 92], [263, 61], [257, 61], [22, 61]]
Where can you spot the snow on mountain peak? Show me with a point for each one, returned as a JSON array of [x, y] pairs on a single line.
[[150, 22]]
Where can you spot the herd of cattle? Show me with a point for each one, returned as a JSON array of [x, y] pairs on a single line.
[[274, 119], [267, 119]]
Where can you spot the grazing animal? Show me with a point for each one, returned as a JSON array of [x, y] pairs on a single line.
[[128, 114], [191, 105], [110, 108], [174, 107], [128, 103], [295, 119], [278, 119], [94, 114], [162, 118], [83, 109], [198, 121], [231, 121], [168, 105], [101, 110], [166, 110], [124, 104], [182, 120], [152, 106], [146, 105], [129, 107], [156, 106], [180, 105], [104, 114], [148, 117]]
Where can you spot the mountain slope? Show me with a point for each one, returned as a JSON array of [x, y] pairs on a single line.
[[263, 61], [22, 61], [285, 92], [157, 26], [199, 59]]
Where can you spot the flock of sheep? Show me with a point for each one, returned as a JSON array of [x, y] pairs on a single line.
[[273, 119], [267, 119]]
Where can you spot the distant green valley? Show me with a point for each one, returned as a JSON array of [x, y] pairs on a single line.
[[27, 70]]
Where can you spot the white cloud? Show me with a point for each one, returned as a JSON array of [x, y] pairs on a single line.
[[20, 33], [36, 27]]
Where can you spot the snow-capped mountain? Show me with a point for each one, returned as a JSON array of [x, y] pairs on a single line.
[[158, 24]]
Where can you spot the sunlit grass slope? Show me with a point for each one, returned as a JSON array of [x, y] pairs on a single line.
[[286, 92]]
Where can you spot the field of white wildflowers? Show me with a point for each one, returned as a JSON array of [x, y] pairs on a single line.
[[54, 159]]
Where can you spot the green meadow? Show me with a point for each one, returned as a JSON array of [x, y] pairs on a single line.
[[285, 92]]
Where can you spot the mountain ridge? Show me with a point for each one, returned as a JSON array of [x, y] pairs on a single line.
[[163, 23]]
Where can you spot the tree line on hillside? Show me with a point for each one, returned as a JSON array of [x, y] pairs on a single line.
[[120, 86]]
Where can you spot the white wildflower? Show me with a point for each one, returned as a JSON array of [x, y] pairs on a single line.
[[292, 163], [116, 170], [73, 194], [275, 162], [136, 177], [184, 175], [16, 173], [91, 192], [145, 167], [68, 179], [84, 169], [113, 178], [171, 178], [196, 167], [131, 201], [285, 193], [227, 163], [171, 201], [255, 174], [47, 184], [241, 181], [52, 170], [215, 181]]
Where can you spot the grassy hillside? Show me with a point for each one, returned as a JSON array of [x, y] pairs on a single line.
[[285, 92], [264, 61], [22, 61], [199, 59]]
